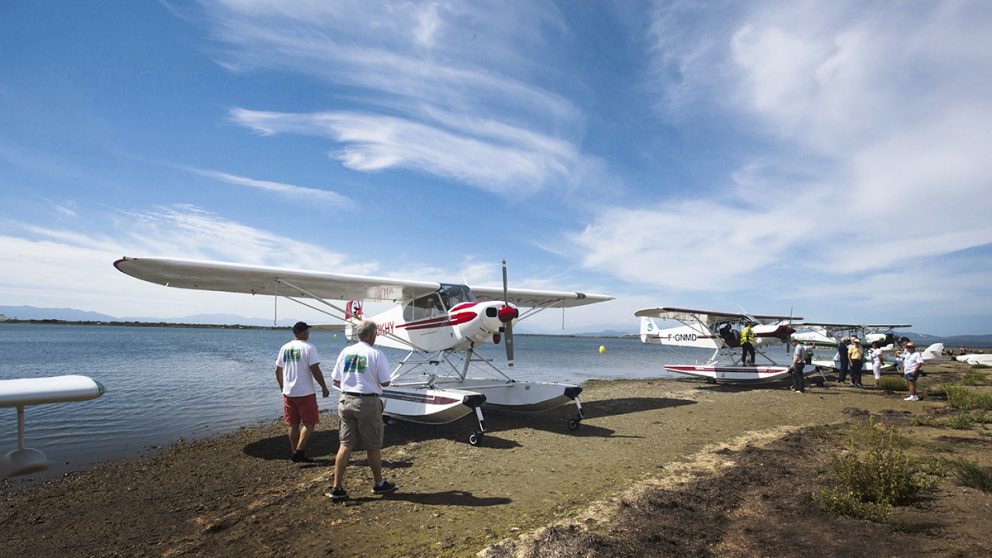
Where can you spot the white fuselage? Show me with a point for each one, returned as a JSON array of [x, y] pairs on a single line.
[[434, 329]]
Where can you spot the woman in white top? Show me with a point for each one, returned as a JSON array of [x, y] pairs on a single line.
[[876, 362]]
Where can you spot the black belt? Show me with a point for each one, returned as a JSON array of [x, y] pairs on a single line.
[[356, 394]]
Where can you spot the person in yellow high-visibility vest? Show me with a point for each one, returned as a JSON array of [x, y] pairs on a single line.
[[747, 343]]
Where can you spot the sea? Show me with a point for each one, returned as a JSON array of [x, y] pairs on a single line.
[[169, 383]]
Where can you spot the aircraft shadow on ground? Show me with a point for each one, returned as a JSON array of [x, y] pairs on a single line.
[[446, 498], [324, 443], [556, 420]]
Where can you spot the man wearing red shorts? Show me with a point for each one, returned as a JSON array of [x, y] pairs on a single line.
[[297, 366]]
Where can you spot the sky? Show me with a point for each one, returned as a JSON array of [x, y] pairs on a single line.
[[827, 159]]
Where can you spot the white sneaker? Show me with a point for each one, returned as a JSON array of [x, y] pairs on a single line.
[[915, 398], [908, 398]]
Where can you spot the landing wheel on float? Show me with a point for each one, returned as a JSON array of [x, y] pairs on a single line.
[[475, 438], [573, 424]]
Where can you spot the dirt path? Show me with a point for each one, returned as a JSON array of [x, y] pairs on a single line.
[[241, 495]]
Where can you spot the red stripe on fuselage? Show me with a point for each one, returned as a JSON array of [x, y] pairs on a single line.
[[444, 321]]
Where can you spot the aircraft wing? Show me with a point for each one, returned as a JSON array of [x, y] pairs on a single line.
[[708, 317], [827, 324], [538, 299], [237, 278], [54, 389], [888, 326]]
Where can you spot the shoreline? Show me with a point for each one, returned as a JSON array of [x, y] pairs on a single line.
[[239, 493]]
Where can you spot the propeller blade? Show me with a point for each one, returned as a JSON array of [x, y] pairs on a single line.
[[508, 327], [509, 344]]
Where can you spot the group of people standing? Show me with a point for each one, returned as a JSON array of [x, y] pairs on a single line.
[[360, 372], [852, 359]]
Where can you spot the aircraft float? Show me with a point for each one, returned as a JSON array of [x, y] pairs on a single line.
[[35, 391], [707, 329], [439, 324]]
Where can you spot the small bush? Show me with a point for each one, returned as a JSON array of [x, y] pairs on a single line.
[[873, 475], [893, 383], [963, 398], [975, 377], [961, 421], [973, 475]]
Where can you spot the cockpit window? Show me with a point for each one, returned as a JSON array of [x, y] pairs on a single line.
[[427, 306], [437, 303], [453, 295]]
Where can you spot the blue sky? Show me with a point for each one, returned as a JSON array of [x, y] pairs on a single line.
[[829, 158]]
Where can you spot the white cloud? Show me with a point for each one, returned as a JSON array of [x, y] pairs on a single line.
[[291, 191], [447, 88], [73, 268], [889, 108], [489, 155]]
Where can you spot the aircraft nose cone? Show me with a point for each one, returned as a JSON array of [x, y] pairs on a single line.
[[507, 313]]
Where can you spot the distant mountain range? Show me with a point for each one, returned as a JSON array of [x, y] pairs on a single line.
[[73, 315]]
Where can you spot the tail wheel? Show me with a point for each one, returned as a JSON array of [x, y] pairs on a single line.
[[573, 424]]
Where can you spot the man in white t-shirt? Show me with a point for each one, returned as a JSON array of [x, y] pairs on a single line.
[[360, 372], [297, 366], [911, 363]]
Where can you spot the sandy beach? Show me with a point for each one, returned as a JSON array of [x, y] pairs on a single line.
[[710, 469]]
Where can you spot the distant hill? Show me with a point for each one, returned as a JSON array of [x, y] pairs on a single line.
[[73, 315], [67, 314]]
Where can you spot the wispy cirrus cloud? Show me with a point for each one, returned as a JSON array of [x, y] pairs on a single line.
[[444, 89], [886, 108], [493, 157], [290, 191]]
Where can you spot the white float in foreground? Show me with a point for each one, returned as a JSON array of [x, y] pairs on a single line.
[[35, 391]]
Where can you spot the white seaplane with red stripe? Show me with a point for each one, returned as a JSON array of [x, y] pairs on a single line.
[[440, 324], [720, 331]]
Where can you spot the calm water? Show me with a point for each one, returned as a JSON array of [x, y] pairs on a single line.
[[169, 383]]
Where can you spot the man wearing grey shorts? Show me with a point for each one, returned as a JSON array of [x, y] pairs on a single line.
[[360, 372]]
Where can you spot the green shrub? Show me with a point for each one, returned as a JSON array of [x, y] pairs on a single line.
[[963, 398], [893, 383], [961, 421], [975, 377], [873, 475], [973, 475]]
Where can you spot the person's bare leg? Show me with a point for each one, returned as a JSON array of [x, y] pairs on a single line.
[[375, 463], [340, 464], [304, 437], [294, 436]]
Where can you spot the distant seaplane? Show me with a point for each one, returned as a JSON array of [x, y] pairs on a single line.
[[708, 329], [827, 335], [439, 324], [23, 392]]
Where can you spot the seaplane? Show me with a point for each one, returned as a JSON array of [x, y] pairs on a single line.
[[720, 331], [23, 392], [442, 378], [824, 335]]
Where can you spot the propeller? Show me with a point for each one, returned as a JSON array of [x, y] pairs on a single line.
[[506, 315]]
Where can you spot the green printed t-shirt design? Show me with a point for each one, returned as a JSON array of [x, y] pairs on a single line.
[[292, 355], [355, 363]]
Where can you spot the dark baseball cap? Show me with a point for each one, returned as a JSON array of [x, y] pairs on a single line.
[[300, 327]]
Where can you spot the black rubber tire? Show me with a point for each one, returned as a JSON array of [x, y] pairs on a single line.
[[475, 438], [573, 424]]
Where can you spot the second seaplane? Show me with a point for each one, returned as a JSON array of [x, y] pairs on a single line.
[[721, 331], [442, 378]]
